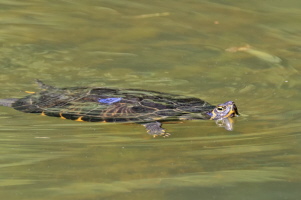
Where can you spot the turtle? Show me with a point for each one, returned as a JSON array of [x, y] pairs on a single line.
[[105, 104]]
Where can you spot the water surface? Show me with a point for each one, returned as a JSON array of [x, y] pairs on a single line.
[[248, 52]]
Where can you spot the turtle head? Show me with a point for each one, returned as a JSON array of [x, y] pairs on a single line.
[[224, 110]]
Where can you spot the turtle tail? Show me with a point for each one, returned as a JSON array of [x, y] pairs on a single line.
[[7, 102]]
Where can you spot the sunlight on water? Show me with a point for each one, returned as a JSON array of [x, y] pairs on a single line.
[[247, 52]]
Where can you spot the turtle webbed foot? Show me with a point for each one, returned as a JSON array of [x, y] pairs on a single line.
[[155, 129]]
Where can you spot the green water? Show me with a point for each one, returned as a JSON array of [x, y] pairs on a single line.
[[180, 47]]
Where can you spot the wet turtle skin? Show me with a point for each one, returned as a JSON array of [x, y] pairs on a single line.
[[148, 108]]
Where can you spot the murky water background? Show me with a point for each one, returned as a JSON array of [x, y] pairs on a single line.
[[184, 47]]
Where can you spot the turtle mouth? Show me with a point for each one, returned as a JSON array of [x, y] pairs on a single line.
[[232, 111], [235, 111]]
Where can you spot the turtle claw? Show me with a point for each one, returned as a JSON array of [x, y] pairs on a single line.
[[166, 135], [162, 134]]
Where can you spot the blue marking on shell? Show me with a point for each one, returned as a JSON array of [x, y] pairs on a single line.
[[109, 100]]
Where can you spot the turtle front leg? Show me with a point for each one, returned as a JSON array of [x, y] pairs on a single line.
[[155, 129]]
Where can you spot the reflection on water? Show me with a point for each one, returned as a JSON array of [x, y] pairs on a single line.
[[178, 47]]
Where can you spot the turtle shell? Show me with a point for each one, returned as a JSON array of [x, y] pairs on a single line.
[[111, 105]]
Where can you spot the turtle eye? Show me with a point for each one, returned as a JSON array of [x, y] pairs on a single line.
[[220, 108]]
